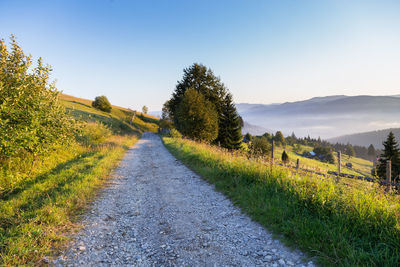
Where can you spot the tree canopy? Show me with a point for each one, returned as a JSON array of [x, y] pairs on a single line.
[[102, 103], [196, 117], [201, 79]]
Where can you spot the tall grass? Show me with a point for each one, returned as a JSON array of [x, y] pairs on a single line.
[[335, 223]]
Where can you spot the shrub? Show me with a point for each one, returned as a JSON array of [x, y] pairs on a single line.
[[174, 133], [32, 121], [260, 146], [93, 133], [102, 103]]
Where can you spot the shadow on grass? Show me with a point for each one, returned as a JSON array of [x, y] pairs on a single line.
[[55, 183], [116, 125], [60, 167]]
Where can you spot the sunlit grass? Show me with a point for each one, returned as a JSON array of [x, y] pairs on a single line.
[[360, 166], [35, 218], [41, 198], [337, 223]]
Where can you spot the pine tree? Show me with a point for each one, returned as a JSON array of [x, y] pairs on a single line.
[[230, 130], [371, 151], [350, 150], [390, 152]]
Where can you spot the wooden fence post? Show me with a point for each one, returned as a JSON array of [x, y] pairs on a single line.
[[389, 174], [272, 153], [297, 164], [339, 162]]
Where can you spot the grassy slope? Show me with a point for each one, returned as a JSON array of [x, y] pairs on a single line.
[[37, 215], [336, 223], [360, 166]]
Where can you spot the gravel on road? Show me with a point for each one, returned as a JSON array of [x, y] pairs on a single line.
[[157, 212]]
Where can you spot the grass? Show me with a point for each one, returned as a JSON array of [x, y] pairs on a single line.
[[360, 166], [42, 201], [335, 223]]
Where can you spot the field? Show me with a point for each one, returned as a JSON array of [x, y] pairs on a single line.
[[335, 222], [40, 202], [360, 166]]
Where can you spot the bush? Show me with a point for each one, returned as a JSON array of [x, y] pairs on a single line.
[[32, 121], [93, 133], [174, 133], [102, 103], [260, 146]]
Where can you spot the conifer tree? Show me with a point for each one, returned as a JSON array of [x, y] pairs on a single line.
[[285, 157], [230, 130], [371, 151], [390, 152]]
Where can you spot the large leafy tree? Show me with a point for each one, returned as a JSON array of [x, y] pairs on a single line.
[[203, 80], [31, 117], [279, 139], [196, 117], [390, 152], [230, 128]]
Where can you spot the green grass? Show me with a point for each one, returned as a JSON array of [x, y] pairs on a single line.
[[360, 166], [41, 198], [335, 223]]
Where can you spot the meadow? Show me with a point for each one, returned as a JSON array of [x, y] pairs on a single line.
[[335, 222], [359, 166], [41, 199]]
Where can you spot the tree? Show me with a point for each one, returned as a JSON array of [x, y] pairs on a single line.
[[230, 130], [279, 139], [371, 151], [102, 103], [203, 80], [324, 154], [196, 117], [390, 152], [248, 137], [32, 120], [350, 150], [145, 109], [285, 157]]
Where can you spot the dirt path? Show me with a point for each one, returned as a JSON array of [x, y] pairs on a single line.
[[157, 212]]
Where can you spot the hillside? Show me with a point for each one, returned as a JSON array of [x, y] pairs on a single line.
[[326, 117], [42, 196], [119, 119], [365, 139]]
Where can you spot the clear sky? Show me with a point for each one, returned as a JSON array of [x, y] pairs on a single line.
[[264, 51]]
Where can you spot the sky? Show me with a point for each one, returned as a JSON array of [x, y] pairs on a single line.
[[134, 52]]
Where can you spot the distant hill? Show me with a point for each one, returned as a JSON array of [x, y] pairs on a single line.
[[253, 129], [326, 117], [365, 139]]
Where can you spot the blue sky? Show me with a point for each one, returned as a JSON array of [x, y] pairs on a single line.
[[264, 51]]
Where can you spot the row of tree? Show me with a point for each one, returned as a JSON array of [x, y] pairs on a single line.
[[202, 108]]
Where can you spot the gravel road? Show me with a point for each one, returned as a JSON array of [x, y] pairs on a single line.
[[157, 212]]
